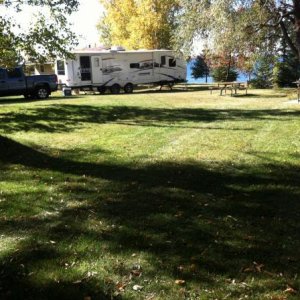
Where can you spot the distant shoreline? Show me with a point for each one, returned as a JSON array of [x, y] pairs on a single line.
[[241, 77]]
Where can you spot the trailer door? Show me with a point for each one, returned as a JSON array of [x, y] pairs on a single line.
[[85, 68], [97, 76], [157, 65]]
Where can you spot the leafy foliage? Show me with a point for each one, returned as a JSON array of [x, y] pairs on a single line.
[[47, 36], [8, 54], [222, 73], [138, 24], [263, 72], [240, 27], [286, 70]]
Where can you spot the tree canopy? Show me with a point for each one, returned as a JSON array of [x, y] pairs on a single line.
[[47, 36], [137, 24], [240, 26]]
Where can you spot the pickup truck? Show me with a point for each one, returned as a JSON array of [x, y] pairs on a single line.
[[13, 82]]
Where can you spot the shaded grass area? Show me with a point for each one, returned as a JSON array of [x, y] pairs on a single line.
[[139, 204]]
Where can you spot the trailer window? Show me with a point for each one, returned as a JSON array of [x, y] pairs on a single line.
[[172, 62], [14, 73], [97, 62], [61, 67], [163, 60], [134, 66]]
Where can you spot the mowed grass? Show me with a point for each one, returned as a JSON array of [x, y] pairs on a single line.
[[158, 195]]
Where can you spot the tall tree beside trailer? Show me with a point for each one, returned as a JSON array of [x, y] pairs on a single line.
[[48, 36], [138, 24]]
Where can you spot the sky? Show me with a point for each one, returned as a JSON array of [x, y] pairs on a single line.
[[84, 20], [84, 23]]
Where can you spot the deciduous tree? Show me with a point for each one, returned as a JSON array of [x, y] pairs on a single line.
[[240, 26], [47, 36], [137, 24]]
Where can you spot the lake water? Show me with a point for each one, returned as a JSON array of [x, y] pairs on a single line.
[[190, 79]]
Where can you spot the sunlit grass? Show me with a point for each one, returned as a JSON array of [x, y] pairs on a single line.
[[158, 195]]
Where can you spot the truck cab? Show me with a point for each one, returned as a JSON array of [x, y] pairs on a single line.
[[12, 82]]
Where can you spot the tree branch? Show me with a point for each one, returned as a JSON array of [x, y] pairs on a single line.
[[288, 38]]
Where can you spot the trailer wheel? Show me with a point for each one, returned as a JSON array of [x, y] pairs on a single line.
[[42, 92], [115, 89], [128, 88], [102, 90]]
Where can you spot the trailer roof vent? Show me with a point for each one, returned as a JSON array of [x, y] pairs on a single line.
[[117, 48]]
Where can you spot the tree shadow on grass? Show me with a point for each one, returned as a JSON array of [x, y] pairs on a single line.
[[66, 118], [255, 95], [218, 219], [22, 100]]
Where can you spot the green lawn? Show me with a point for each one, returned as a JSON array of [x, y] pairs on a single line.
[[158, 195]]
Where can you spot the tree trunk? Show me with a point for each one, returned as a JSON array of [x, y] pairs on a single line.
[[297, 26], [229, 67]]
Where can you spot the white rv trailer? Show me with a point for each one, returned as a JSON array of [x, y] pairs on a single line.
[[118, 69]]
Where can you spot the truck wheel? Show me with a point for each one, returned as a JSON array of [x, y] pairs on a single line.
[[42, 92], [102, 90], [128, 88], [115, 89]]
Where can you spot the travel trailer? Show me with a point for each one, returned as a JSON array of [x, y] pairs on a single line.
[[117, 69]]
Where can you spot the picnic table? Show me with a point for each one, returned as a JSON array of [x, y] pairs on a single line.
[[232, 86]]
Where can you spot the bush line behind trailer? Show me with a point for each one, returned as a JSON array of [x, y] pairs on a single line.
[[118, 69]]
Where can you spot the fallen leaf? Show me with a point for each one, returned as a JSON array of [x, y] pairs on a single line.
[[77, 281], [180, 268], [136, 267], [193, 267], [247, 270], [258, 267], [290, 290], [180, 282], [121, 286], [137, 287], [136, 273]]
